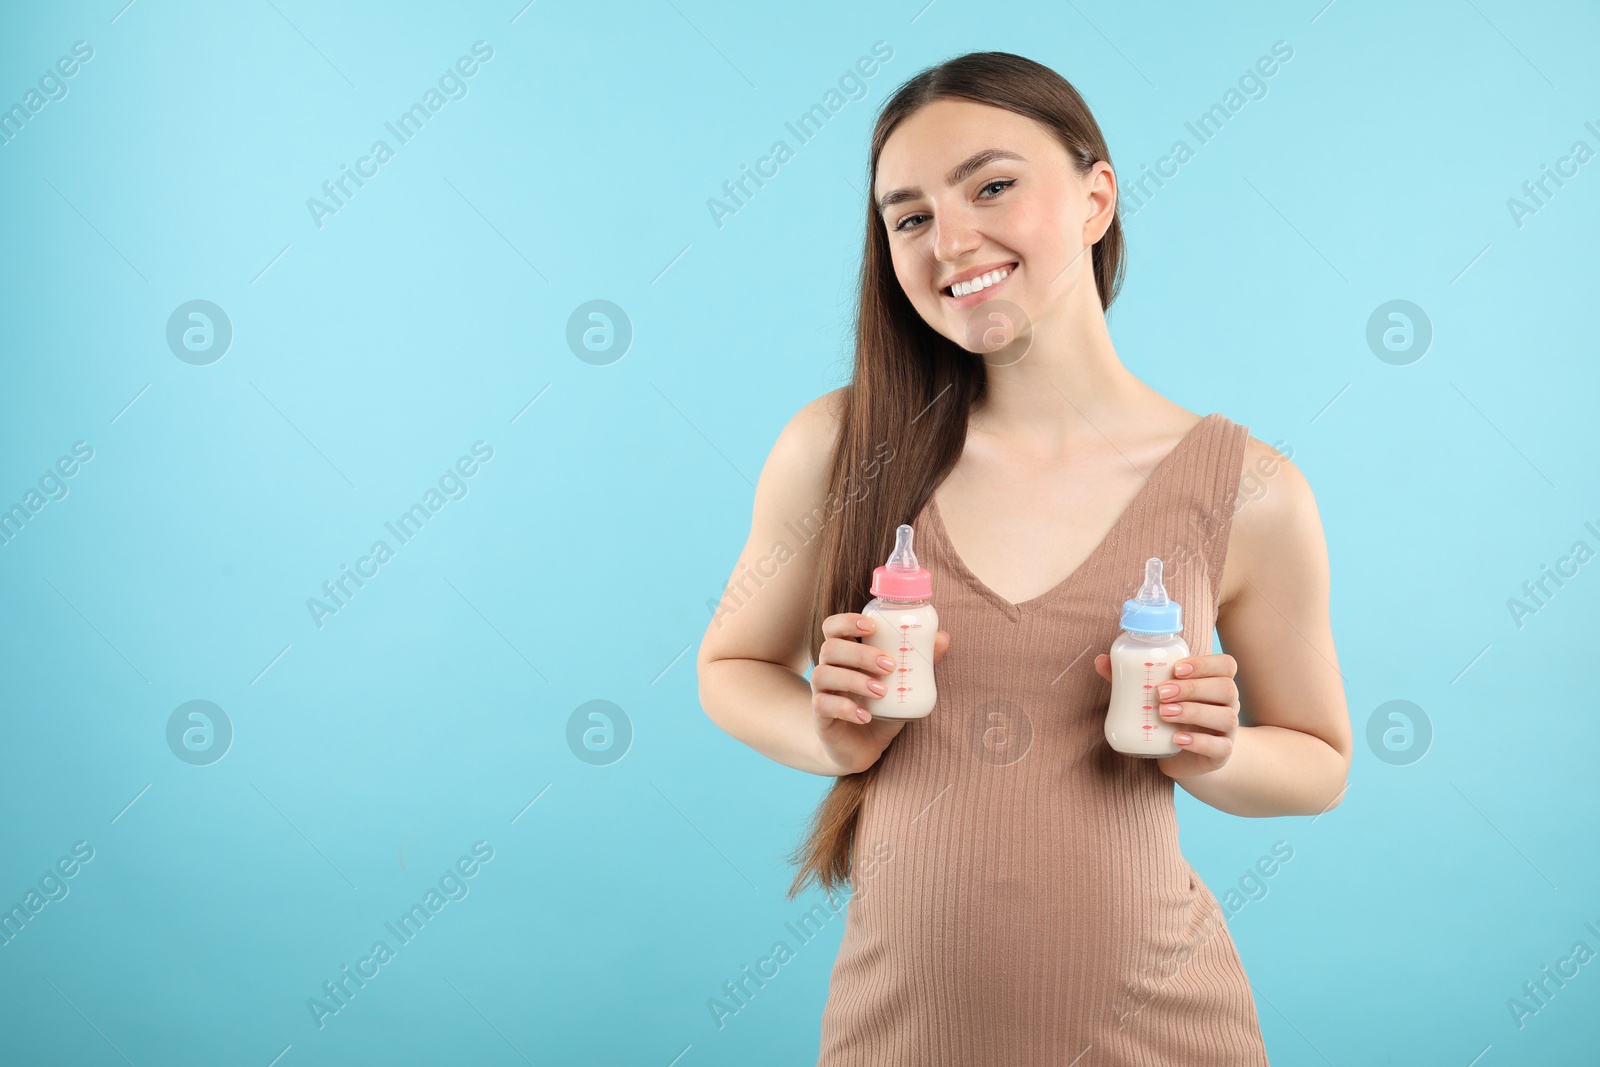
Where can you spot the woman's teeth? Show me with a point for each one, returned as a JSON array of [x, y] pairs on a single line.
[[981, 282]]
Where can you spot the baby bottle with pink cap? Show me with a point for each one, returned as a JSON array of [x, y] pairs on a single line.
[[905, 631]]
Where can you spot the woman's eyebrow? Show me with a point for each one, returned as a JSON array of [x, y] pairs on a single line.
[[961, 171]]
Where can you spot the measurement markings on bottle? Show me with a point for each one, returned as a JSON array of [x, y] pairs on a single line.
[[1149, 684]]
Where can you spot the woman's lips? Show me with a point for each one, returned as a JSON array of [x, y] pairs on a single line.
[[974, 299]]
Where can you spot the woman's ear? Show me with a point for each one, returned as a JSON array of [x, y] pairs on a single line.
[[1100, 185]]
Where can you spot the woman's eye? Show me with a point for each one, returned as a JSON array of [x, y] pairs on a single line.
[[1003, 183]]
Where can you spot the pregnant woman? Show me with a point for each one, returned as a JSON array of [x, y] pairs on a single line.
[[1018, 896]]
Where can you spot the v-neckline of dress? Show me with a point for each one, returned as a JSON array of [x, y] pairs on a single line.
[[1015, 611]]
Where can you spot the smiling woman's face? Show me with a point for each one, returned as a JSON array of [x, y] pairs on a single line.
[[1016, 207]]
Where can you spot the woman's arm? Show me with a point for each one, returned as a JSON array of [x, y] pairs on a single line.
[[1291, 752], [754, 652]]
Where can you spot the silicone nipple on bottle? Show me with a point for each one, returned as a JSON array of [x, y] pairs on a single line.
[[902, 578], [1152, 592], [1152, 612], [902, 558]]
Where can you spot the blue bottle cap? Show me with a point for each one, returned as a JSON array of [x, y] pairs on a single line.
[[1151, 612]]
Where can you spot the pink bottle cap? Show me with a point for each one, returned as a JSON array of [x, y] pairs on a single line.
[[901, 578]]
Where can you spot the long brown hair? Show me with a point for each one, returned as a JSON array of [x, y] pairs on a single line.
[[915, 387]]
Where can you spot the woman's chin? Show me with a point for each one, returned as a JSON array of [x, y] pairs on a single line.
[[995, 327]]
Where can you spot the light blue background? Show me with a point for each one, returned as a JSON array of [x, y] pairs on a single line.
[[424, 316]]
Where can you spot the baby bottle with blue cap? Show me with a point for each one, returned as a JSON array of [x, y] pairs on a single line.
[[1142, 657]]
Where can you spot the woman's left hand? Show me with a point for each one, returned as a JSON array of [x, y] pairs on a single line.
[[1206, 700]]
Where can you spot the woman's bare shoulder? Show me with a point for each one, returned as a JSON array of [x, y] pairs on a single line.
[[768, 621], [804, 449], [1275, 518], [825, 414]]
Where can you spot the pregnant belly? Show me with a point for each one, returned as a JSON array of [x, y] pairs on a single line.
[[999, 909]]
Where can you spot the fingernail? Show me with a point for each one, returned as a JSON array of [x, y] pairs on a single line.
[[865, 624], [1182, 739], [1170, 710], [1183, 669], [861, 713], [877, 687], [1169, 690], [886, 663]]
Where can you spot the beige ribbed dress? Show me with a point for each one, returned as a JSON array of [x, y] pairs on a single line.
[[1019, 897]]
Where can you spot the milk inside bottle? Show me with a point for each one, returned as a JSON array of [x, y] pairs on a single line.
[[905, 631], [1142, 657]]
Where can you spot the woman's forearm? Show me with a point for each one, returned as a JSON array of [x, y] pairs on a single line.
[[1273, 771], [768, 707]]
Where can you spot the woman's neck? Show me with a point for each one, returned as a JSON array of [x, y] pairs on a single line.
[[1070, 385]]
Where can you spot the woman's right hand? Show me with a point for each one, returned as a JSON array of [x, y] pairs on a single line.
[[847, 667]]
